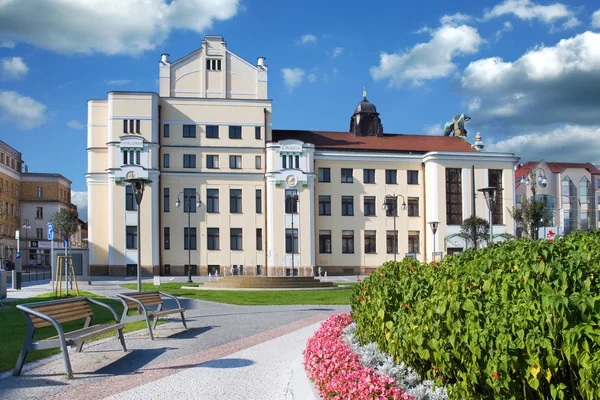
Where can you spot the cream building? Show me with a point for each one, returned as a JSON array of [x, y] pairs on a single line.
[[208, 131]]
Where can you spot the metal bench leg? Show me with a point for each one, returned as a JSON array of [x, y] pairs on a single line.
[[122, 339], [155, 317], [183, 320], [149, 326], [88, 320], [65, 351], [24, 350]]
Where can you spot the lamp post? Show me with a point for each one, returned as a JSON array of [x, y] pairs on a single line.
[[187, 197], [388, 205], [434, 228], [541, 178], [293, 200], [490, 198], [138, 185]]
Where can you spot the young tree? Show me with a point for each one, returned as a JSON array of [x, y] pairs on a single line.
[[476, 230], [65, 223], [532, 214]]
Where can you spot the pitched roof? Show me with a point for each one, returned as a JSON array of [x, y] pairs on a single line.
[[555, 168], [388, 142]]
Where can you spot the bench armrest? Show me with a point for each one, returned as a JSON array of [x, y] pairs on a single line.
[[124, 297], [28, 311], [171, 297], [104, 305]]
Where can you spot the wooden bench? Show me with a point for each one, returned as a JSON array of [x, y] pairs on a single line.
[[55, 312], [141, 300]]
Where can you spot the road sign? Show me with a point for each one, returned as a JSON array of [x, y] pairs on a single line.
[[65, 243], [50, 226], [18, 255], [50, 234]]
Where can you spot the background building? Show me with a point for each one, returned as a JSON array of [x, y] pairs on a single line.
[[10, 176]]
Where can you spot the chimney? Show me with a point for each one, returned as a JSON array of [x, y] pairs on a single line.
[[26, 169], [261, 62], [164, 58]]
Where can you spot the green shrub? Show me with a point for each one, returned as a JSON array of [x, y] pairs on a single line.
[[517, 320]]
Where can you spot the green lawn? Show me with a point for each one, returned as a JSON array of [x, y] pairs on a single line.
[[253, 297], [13, 328]]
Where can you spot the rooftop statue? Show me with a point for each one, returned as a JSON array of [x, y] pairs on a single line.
[[457, 125]]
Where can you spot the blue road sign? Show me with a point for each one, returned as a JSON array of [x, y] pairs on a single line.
[[50, 226], [18, 255], [65, 243], [50, 234]]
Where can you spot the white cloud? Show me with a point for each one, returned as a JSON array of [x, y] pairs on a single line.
[[428, 60], [107, 26], [23, 111], [596, 20], [9, 44], [292, 77], [506, 28], [13, 68], [337, 51], [528, 10], [312, 78], [117, 82], [424, 29], [433, 130], [75, 124], [456, 19], [308, 38], [80, 199]]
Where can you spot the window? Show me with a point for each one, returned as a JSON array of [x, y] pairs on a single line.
[[324, 175], [347, 205], [583, 218], [413, 206], [189, 131], [568, 191], [324, 205], [495, 180], [213, 65], [584, 191], [368, 176], [166, 200], [39, 191], [189, 239], [166, 161], [257, 162], [347, 175], [39, 212], [130, 203], [213, 239], [413, 242], [235, 162], [125, 125], [189, 200], [283, 162], [131, 126], [39, 233], [325, 242], [347, 242], [235, 201], [370, 242], [391, 176], [235, 132], [212, 161], [212, 200], [392, 206], [236, 239], [189, 161], [137, 126], [212, 131], [259, 239], [291, 241], [166, 131], [137, 157], [391, 242], [257, 132], [369, 205], [412, 177], [297, 162], [453, 196], [518, 199], [131, 237], [167, 238], [259, 201], [291, 205]]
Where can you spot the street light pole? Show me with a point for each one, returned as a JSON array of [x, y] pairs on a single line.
[[434, 228], [490, 197], [138, 185], [187, 197], [386, 206]]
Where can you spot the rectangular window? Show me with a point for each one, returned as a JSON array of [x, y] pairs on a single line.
[[166, 200], [347, 205], [325, 242], [453, 196], [131, 237], [347, 175], [130, 203], [370, 242], [39, 212], [495, 180], [235, 239], [583, 218], [235, 201], [125, 153], [235, 132], [137, 126], [297, 162], [166, 131], [167, 238], [137, 157], [283, 162], [391, 176], [189, 131], [291, 241], [212, 161], [369, 206], [212, 242], [189, 239], [413, 206], [39, 191], [213, 65], [413, 242], [131, 126], [189, 200], [412, 177], [125, 126], [257, 132], [235, 162], [291, 205], [324, 175], [324, 205], [212, 200], [259, 201], [368, 176], [212, 131], [189, 161], [518, 199], [259, 239], [39, 233], [257, 162], [166, 161], [347, 242], [391, 242]]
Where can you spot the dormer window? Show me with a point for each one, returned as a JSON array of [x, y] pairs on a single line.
[[213, 65]]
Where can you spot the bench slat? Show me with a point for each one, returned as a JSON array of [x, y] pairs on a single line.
[[49, 309], [64, 316], [167, 312], [150, 297], [85, 334]]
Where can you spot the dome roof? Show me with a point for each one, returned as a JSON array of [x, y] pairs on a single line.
[[365, 107]]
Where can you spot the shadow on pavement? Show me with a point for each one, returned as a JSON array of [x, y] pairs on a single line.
[[131, 362], [267, 312], [191, 333], [29, 381], [228, 363]]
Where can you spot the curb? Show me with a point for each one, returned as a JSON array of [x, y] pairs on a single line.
[[302, 387]]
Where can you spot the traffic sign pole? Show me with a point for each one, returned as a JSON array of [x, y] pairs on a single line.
[[52, 272]]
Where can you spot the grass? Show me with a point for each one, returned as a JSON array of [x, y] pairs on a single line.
[[13, 327], [254, 297]]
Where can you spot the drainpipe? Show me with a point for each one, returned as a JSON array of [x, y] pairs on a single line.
[[424, 213], [473, 212]]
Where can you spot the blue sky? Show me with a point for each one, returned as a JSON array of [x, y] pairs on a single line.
[[527, 72]]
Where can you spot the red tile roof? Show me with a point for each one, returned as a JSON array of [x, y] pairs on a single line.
[[555, 168], [389, 142]]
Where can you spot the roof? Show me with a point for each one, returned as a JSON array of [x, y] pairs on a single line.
[[555, 167], [388, 142]]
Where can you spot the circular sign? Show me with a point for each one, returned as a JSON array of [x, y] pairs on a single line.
[[291, 180], [131, 175]]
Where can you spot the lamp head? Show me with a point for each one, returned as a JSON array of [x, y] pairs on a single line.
[[403, 206], [434, 226], [178, 203], [542, 181]]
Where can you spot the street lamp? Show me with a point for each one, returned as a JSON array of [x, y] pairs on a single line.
[[490, 198], [27, 227], [390, 203], [541, 178], [187, 198], [434, 228], [138, 185], [292, 199]]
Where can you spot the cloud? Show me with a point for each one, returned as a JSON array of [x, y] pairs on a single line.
[[75, 124], [456, 19], [22, 111], [292, 77], [308, 38], [337, 51], [9, 44], [596, 20], [433, 130], [107, 26], [429, 60], [80, 199], [312, 78], [117, 82], [506, 28], [528, 10], [13, 68]]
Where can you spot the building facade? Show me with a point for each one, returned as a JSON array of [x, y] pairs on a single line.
[[10, 177], [271, 201]]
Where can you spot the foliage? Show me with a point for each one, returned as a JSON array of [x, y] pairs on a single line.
[[532, 214], [517, 320], [476, 229], [65, 222]]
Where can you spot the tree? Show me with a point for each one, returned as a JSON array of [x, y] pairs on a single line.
[[475, 229], [532, 214], [65, 222]]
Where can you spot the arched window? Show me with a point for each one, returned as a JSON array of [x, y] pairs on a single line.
[[584, 191]]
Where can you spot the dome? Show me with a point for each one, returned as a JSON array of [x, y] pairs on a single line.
[[365, 107]]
